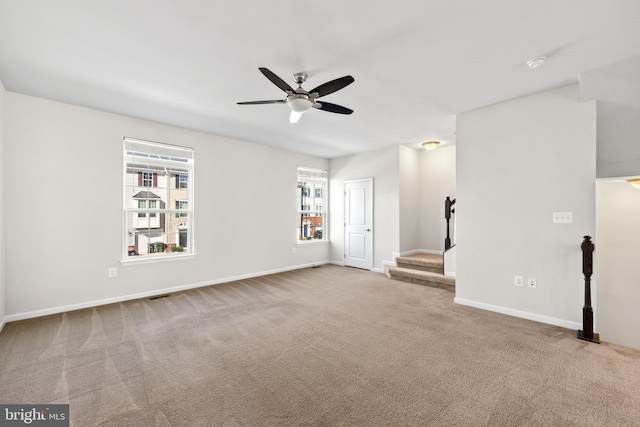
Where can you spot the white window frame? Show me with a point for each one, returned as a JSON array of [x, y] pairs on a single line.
[[148, 153], [307, 177]]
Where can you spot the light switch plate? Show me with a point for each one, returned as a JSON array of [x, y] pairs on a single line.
[[562, 217]]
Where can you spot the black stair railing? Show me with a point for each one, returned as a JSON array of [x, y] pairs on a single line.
[[448, 210], [586, 333]]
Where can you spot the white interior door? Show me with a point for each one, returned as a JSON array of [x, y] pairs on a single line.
[[358, 223]]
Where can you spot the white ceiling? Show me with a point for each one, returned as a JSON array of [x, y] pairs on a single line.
[[416, 63]]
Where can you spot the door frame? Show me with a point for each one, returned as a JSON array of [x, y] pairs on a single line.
[[344, 216]]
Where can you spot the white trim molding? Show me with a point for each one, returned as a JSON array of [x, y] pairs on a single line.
[[97, 303], [393, 262], [150, 259], [389, 263], [407, 253], [522, 314], [2, 323], [429, 251]]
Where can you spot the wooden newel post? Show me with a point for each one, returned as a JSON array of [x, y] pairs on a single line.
[[586, 333]]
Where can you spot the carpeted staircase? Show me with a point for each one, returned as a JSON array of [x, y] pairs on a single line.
[[422, 269]]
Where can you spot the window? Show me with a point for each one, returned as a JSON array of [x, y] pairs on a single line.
[[142, 204], [158, 211], [311, 191], [147, 179], [181, 181], [181, 205]]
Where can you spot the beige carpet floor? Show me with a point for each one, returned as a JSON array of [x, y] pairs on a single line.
[[327, 346]]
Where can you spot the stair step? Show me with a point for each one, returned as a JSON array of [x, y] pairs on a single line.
[[420, 277], [422, 262]]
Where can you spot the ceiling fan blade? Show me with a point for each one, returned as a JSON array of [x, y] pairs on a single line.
[[276, 80], [332, 86], [294, 117], [332, 108], [275, 101]]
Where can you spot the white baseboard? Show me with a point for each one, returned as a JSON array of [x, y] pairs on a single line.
[[522, 314], [417, 251], [450, 273], [407, 253], [96, 303], [378, 270], [2, 323], [389, 263], [340, 263], [429, 251]]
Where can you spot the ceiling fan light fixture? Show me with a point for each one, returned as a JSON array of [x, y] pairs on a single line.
[[294, 117], [430, 145], [299, 104], [635, 182]]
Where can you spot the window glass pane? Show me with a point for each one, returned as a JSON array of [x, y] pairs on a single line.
[[310, 226], [310, 204], [157, 178]]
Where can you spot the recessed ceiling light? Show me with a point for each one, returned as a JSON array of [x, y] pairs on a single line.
[[536, 62]]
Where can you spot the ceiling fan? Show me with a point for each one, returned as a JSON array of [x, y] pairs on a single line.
[[299, 100]]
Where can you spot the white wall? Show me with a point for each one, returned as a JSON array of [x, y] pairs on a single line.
[[437, 178], [65, 164], [517, 163], [410, 195], [617, 269], [3, 203], [381, 165], [617, 89]]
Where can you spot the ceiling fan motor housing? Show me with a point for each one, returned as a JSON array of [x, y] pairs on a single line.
[[300, 78]]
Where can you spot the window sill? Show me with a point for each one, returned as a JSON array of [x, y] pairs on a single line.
[[135, 260], [312, 242]]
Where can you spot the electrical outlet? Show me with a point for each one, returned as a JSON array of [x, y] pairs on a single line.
[[531, 282], [113, 272], [518, 281]]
